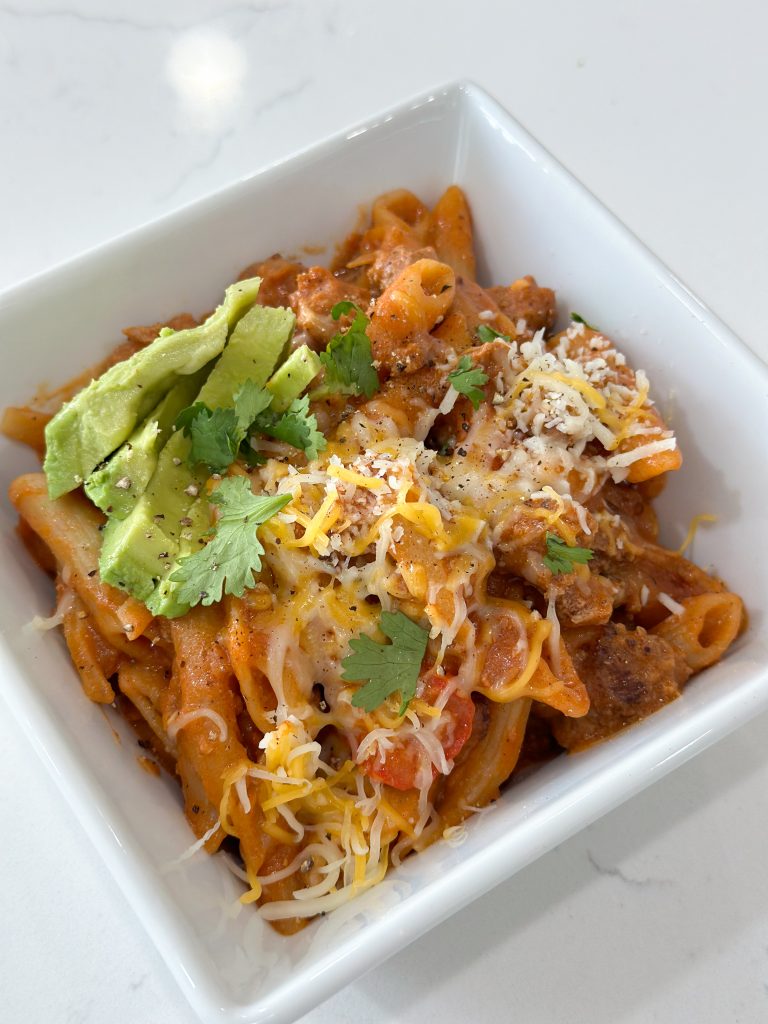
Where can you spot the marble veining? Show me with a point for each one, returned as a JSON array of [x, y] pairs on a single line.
[[615, 871]]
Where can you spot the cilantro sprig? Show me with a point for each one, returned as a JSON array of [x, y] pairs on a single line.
[[296, 426], [486, 333], [214, 435], [578, 319], [468, 380], [233, 553], [389, 668], [560, 558], [217, 435], [348, 359], [250, 402]]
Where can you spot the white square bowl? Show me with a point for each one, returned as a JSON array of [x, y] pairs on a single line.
[[530, 216]]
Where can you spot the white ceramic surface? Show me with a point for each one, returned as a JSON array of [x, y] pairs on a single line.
[[530, 217]]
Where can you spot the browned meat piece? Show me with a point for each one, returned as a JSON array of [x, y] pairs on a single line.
[[317, 292], [278, 279], [526, 300], [581, 598], [586, 602], [471, 301], [142, 336], [629, 674], [627, 501], [454, 426]]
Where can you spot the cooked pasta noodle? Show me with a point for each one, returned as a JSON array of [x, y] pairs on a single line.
[[490, 486]]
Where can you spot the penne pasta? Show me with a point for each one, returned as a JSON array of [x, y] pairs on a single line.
[[451, 233], [704, 628]]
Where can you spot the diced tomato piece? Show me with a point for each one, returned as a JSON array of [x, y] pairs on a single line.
[[399, 766], [458, 713]]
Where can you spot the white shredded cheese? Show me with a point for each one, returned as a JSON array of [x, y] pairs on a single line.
[[455, 835], [193, 849], [670, 603], [42, 624], [448, 402], [177, 722]]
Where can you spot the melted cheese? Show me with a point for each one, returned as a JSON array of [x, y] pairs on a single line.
[[352, 531]]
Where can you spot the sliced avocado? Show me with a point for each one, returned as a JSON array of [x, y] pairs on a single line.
[[142, 549], [170, 519], [162, 600], [255, 348], [118, 485], [105, 413], [290, 379]]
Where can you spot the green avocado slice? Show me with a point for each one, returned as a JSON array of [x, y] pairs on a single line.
[[105, 413], [256, 347], [290, 379], [138, 551], [170, 519], [117, 486]]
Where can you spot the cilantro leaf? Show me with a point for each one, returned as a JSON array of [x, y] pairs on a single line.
[[296, 426], [348, 359], [219, 435], [560, 558], [250, 456], [487, 333], [214, 436], [185, 417], [580, 320], [389, 668], [250, 400], [228, 561], [344, 307], [468, 380]]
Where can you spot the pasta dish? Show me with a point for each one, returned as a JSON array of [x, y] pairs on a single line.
[[361, 546]]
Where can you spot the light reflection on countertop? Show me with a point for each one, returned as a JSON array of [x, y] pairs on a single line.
[[207, 70]]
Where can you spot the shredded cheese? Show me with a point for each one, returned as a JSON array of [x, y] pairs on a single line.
[[43, 624], [194, 848], [695, 523], [379, 521], [670, 603], [179, 721]]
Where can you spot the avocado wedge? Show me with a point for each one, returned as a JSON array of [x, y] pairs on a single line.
[[170, 519], [105, 413], [290, 379], [117, 486]]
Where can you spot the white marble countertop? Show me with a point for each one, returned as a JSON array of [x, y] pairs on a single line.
[[113, 113]]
